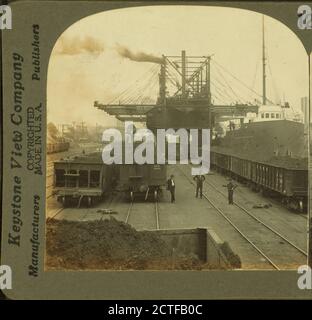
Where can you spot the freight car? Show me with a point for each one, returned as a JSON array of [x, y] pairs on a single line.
[[285, 178], [57, 147], [82, 179], [142, 180]]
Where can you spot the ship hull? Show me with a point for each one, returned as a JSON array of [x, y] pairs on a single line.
[[262, 141]]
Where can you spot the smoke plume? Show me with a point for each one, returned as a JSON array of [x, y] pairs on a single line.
[[76, 45], [138, 56]]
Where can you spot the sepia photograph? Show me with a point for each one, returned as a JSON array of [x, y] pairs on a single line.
[[177, 139]]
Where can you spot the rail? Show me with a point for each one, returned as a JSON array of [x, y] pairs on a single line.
[[263, 254]]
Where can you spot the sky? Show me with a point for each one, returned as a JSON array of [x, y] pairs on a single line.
[[89, 62]]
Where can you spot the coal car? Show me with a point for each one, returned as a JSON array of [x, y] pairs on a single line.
[[142, 181], [83, 179], [283, 177]]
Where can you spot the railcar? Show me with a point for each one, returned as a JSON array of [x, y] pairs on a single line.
[[57, 147], [220, 162], [83, 179], [241, 169], [288, 183], [285, 178], [142, 181]]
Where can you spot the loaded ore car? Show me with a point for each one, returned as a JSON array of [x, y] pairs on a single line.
[[287, 178], [144, 181], [83, 179], [269, 156], [282, 177]]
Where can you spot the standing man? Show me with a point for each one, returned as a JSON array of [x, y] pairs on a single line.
[[171, 187], [199, 185], [231, 187]]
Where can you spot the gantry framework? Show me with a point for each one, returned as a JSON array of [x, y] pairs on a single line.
[[184, 88]]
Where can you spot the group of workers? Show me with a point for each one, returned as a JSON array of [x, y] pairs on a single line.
[[199, 179]]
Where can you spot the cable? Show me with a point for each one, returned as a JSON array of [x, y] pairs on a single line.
[[123, 95], [241, 82], [255, 76], [229, 86], [277, 97], [231, 89], [228, 98]]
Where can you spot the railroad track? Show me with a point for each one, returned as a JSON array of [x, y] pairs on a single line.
[[50, 195], [243, 234], [129, 212], [258, 220], [304, 216], [156, 211], [55, 213], [277, 203], [157, 215], [109, 205]]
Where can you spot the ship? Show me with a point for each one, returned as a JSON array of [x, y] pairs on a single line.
[[273, 137], [275, 131]]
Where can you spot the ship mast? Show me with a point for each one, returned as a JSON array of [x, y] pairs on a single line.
[[263, 66]]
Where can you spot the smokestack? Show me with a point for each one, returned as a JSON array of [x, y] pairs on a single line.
[[138, 56]]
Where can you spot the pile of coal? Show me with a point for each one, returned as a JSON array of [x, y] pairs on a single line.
[[110, 245]]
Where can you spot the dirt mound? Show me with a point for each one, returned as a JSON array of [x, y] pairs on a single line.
[[109, 244]]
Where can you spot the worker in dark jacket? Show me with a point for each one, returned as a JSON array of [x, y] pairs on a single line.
[[199, 185], [171, 187], [231, 187]]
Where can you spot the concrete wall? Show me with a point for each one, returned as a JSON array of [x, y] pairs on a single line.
[[185, 241], [200, 242], [214, 253]]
